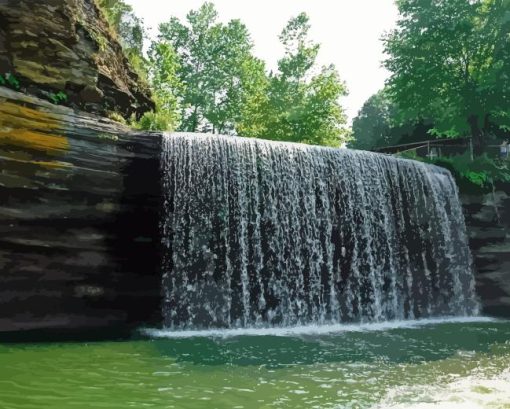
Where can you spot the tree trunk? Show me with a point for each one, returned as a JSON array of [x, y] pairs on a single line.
[[195, 120], [477, 134]]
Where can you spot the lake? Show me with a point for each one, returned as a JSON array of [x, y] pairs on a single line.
[[445, 363]]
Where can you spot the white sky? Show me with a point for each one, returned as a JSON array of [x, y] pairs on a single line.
[[349, 32]]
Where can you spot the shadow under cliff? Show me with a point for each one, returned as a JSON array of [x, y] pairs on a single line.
[[80, 198]]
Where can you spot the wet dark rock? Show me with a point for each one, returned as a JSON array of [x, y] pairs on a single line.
[[488, 223], [91, 95], [67, 45], [79, 213]]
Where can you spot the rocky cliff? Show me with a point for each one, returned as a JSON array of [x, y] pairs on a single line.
[[488, 222], [79, 214], [67, 46]]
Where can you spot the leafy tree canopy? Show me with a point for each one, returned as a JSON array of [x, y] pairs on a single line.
[[450, 62], [372, 127], [378, 125], [205, 78], [301, 105], [224, 88], [215, 66]]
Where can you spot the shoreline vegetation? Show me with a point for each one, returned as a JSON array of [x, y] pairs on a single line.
[[205, 78], [448, 65]]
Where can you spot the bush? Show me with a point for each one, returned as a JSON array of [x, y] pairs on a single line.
[[58, 98], [482, 172], [115, 116], [157, 121]]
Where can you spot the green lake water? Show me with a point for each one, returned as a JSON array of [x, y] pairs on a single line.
[[447, 365]]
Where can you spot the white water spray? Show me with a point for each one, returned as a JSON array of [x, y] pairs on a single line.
[[262, 234]]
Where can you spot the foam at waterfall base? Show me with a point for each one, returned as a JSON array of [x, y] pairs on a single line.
[[311, 329], [477, 391]]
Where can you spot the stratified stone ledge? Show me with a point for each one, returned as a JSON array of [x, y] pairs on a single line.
[[79, 213], [488, 223]]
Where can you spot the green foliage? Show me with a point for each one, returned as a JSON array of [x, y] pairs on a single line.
[[482, 171], [10, 80], [130, 31], [157, 121], [298, 106], [450, 62], [163, 66], [254, 108], [115, 116], [377, 125], [208, 70], [205, 78], [101, 41], [58, 98], [372, 128], [211, 69], [107, 137]]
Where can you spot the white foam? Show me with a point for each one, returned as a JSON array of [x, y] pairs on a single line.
[[311, 329], [472, 392]]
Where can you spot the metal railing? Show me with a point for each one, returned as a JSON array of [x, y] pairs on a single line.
[[432, 147]]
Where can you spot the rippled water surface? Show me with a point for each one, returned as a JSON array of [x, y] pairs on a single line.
[[447, 365]]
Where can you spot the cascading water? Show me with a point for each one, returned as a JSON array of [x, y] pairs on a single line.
[[262, 233]]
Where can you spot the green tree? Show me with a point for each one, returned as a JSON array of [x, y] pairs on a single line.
[[378, 125], [163, 65], [373, 125], [450, 62], [215, 66], [253, 111], [300, 106]]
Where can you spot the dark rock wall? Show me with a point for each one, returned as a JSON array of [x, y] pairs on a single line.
[[80, 201], [488, 222], [67, 45], [79, 213]]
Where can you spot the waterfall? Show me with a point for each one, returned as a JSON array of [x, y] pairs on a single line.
[[260, 233]]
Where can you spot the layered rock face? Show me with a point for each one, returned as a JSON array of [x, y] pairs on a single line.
[[67, 45], [488, 224], [80, 208], [79, 213]]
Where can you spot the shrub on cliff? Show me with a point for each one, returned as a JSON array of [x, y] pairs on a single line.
[[9, 80], [482, 171], [129, 29]]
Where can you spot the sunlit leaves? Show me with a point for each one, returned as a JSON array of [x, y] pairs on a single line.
[[214, 62], [221, 87], [450, 61], [303, 105]]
